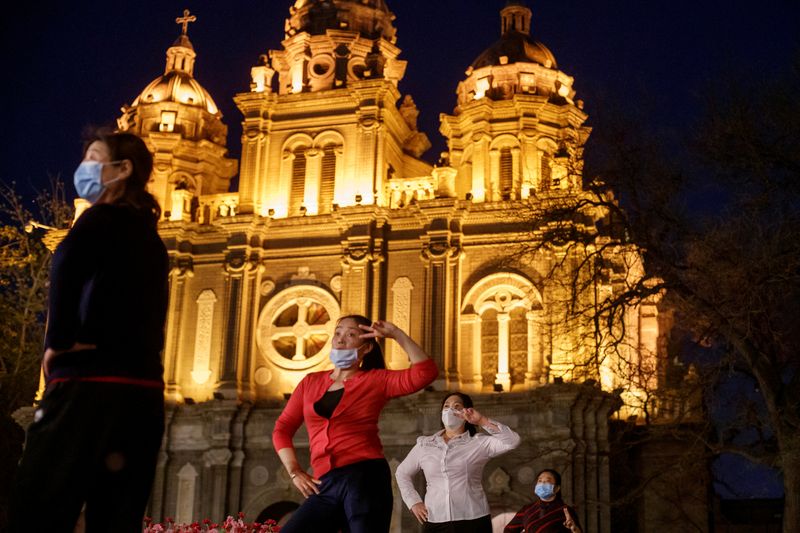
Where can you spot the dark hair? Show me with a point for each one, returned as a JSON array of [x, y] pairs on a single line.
[[552, 472], [374, 358], [467, 401], [128, 146]]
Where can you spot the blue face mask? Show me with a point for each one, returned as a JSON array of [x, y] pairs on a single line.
[[88, 180], [344, 358], [545, 491]]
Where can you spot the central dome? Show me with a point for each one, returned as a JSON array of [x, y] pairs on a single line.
[[371, 18], [515, 47]]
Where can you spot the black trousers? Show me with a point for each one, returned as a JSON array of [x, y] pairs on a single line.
[[94, 444], [356, 498], [477, 525]]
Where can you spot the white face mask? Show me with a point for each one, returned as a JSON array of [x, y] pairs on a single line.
[[344, 358], [451, 420]]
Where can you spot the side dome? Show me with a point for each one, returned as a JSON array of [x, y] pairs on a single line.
[[515, 65], [180, 87]]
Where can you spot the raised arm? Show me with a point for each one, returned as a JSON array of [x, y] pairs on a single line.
[[502, 438], [423, 369]]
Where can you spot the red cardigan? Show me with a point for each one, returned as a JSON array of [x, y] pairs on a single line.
[[351, 434]]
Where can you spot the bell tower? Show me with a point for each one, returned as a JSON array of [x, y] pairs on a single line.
[[183, 128], [517, 130], [322, 125]]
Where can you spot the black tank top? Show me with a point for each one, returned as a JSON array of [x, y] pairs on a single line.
[[325, 406]]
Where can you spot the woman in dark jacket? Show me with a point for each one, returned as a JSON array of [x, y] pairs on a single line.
[[96, 433]]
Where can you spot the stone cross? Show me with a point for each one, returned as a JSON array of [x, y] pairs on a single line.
[[185, 20]]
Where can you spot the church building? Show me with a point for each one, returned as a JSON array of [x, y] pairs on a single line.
[[336, 212]]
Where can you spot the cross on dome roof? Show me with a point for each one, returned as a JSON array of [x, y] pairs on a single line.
[[185, 20]]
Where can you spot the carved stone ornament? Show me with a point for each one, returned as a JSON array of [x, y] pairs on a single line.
[[266, 288], [499, 482], [336, 283]]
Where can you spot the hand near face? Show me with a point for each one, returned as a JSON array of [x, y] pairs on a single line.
[[420, 511], [473, 417], [380, 329]]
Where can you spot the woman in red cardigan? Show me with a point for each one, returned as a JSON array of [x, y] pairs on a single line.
[[351, 483]]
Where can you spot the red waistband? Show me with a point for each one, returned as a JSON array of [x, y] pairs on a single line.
[[149, 383]]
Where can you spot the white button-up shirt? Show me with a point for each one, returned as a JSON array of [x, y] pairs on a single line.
[[453, 472]]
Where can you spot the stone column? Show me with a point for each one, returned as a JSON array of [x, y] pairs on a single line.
[[158, 497], [181, 270], [516, 173], [503, 376], [216, 480], [436, 331], [279, 200], [535, 363], [313, 176], [494, 176], [232, 302], [356, 276], [470, 353]]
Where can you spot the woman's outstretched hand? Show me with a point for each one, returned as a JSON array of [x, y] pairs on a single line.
[[420, 511]]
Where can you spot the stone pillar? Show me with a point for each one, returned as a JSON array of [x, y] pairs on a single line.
[[356, 276], [479, 168], [235, 503], [469, 356], [279, 201], [232, 302], [158, 497], [493, 194], [313, 176], [436, 331], [503, 376], [535, 370], [516, 173], [181, 270], [216, 480]]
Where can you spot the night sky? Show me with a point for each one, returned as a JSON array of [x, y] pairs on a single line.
[[70, 64]]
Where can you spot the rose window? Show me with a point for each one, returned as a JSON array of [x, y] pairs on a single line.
[[296, 326]]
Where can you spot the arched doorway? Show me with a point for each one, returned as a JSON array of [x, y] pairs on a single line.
[[280, 512]]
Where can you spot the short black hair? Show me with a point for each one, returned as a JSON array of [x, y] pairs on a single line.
[[552, 472]]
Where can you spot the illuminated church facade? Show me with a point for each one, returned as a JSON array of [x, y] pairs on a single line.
[[337, 213]]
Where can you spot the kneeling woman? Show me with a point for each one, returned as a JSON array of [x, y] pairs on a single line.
[[452, 461], [351, 488]]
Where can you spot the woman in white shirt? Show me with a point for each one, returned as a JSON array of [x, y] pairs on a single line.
[[452, 461]]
